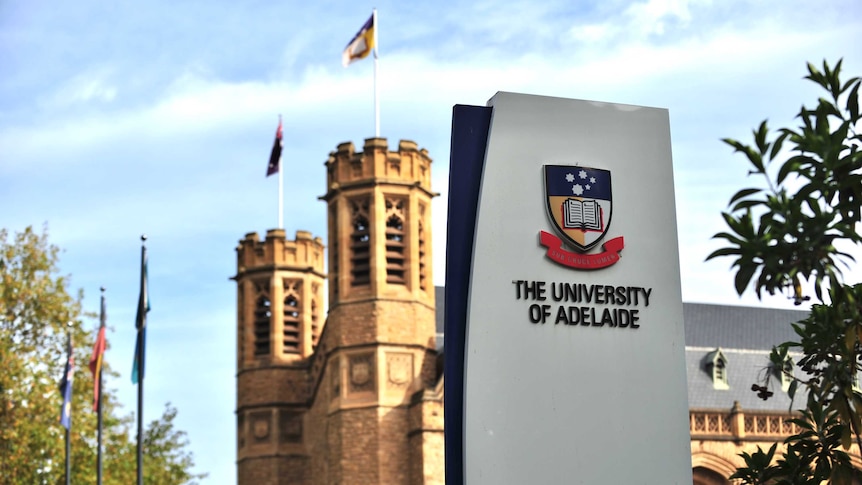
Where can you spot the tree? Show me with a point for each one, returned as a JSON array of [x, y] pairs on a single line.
[[36, 312], [793, 233]]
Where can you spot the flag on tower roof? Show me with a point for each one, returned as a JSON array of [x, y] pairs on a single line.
[[275, 154], [361, 44]]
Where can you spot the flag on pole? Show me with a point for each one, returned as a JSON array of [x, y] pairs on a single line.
[[66, 386], [141, 322], [275, 155], [360, 45], [96, 361]]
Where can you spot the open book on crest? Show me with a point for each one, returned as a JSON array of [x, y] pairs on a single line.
[[581, 214]]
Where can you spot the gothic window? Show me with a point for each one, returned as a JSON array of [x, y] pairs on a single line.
[[360, 245], [290, 329], [335, 254], [240, 297], [423, 279], [262, 319], [395, 241]]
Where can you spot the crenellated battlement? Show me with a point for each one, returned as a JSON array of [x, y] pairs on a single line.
[[409, 165], [277, 252]]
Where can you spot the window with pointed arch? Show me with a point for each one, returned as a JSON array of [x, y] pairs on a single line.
[[290, 330], [291, 319], [423, 273], [334, 252], [360, 244], [395, 241], [262, 322]]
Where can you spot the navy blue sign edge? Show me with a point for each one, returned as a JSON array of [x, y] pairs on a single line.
[[470, 125]]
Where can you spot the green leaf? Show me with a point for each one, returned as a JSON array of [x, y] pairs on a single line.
[[723, 252], [760, 137], [849, 340], [746, 204], [792, 165], [742, 194], [739, 147], [776, 145], [853, 103], [743, 277]]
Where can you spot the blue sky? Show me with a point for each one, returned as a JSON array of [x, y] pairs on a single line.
[[122, 118]]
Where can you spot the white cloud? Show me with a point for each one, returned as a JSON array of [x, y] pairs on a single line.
[[89, 87], [655, 16]]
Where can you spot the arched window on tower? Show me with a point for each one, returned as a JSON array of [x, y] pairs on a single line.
[[423, 279], [361, 252], [291, 325], [360, 245], [395, 241], [241, 339], [262, 320], [394, 250], [334, 253]]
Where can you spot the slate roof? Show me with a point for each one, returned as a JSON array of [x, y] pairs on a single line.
[[738, 327], [744, 368], [745, 336]]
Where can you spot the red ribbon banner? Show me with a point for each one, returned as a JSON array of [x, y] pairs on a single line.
[[609, 256]]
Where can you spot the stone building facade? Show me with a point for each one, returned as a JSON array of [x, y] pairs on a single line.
[[727, 350], [349, 394], [339, 373]]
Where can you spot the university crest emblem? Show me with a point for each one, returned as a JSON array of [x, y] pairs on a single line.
[[580, 206]]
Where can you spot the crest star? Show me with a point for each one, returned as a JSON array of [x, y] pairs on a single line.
[[582, 174], [588, 187], [577, 189], [592, 180], [570, 177]]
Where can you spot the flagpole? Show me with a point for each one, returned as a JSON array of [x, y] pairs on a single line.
[[68, 460], [102, 317], [376, 88], [140, 362], [280, 183], [68, 428]]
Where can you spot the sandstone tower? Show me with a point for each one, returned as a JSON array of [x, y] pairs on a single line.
[[280, 286], [357, 400]]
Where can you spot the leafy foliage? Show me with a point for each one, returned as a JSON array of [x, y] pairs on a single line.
[[785, 236], [36, 312]]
